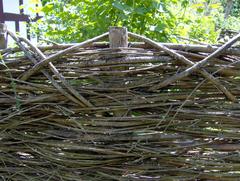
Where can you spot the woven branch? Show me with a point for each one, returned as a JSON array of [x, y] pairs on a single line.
[[184, 131], [51, 58], [186, 61], [34, 60], [56, 72], [199, 65], [181, 47]]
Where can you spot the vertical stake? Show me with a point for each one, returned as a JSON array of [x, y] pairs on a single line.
[[118, 37], [3, 36]]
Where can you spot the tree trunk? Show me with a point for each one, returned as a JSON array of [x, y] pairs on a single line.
[[228, 9]]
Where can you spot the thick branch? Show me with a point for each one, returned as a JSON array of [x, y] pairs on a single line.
[[186, 61], [182, 47], [54, 83], [56, 72], [198, 65], [51, 58]]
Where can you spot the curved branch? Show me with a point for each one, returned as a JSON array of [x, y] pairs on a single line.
[[188, 62], [51, 58]]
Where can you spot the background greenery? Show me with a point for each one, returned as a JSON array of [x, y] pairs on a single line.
[[162, 20]]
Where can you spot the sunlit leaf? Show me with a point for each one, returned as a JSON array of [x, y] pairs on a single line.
[[34, 1], [215, 6], [199, 5]]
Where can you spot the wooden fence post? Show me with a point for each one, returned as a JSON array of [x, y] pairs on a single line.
[[3, 36], [118, 38]]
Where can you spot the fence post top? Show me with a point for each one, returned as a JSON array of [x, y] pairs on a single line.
[[118, 37]]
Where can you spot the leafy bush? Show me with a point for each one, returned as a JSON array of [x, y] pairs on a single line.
[[165, 20]]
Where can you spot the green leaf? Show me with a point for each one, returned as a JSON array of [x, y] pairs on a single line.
[[140, 10], [47, 8], [200, 10], [121, 6], [215, 6]]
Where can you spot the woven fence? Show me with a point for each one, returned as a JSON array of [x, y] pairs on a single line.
[[140, 111]]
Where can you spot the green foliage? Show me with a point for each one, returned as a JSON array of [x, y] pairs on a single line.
[[199, 21], [165, 20], [235, 11], [233, 21]]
